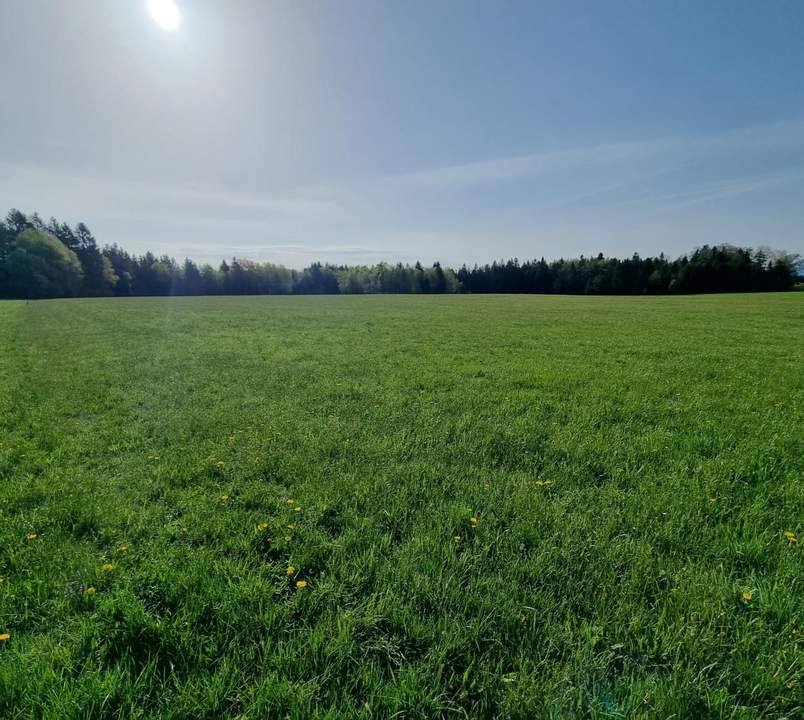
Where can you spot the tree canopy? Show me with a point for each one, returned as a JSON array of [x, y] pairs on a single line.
[[38, 265], [39, 260]]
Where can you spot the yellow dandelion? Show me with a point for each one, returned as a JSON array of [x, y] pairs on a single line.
[[291, 501], [90, 591], [747, 597], [297, 509], [31, 536], [791, 536], [122, 548], [5, 637], [542, 483], [473, 521], [290, 570], [291, 526], [220, 463], [184, 531], [456, 538], [224, 498], [262, 527], [107, 567], [711, 499], [301, 584]]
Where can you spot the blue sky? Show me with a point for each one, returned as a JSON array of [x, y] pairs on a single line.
[[363, 131]]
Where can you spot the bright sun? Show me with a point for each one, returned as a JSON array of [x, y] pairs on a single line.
[[165, 13]]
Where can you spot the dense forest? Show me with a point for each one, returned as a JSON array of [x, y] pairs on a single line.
[[43, 260]]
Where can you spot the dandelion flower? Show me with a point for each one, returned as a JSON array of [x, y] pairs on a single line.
[[747, 597], [107, 567], [473, 521], [291, 526], [297, 509], [262, 527], [5, 637], [456, 538], [301, 584], [791, 536], [290, 570], [122, 547], [90, 591], [220, 463], [184, 531], [224, 498], [544, 482], [31, 536], [291, 501]]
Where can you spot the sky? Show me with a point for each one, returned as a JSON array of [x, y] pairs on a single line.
[[358, 131]]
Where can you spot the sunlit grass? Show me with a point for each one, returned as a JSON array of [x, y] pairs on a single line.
[[412, 506]]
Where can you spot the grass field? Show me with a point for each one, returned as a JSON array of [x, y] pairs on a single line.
[[502, 506]]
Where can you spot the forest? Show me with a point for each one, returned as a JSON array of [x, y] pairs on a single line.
[[51, 259]]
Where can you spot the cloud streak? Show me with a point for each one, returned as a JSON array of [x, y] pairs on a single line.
[[551, 203]]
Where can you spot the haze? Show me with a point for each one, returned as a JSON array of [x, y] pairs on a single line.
[[363, 131]]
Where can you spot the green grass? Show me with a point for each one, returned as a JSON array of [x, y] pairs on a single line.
[[669, 433]]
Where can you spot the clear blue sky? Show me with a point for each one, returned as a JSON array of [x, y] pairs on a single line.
[[357, 131]]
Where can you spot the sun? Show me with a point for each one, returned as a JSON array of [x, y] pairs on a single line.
[[165, 13]]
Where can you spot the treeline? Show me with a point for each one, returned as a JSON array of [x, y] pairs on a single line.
[[41, 260], [719, 268]]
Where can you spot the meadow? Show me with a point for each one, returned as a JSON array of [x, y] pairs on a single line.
[[402, 507]]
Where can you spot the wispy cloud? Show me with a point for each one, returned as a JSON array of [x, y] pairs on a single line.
[[550, 203], [787, 135]]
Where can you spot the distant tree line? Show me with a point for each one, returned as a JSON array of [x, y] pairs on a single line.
[[717, 268], [44, 260]]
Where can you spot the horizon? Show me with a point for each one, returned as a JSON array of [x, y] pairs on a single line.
[[352, 133]]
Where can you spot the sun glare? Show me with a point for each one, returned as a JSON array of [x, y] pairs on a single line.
[[165, 13]]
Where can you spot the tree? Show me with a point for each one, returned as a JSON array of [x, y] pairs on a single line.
[[40, 266], [6, 239]]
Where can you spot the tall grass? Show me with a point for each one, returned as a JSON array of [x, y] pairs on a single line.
[[511, 507]]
